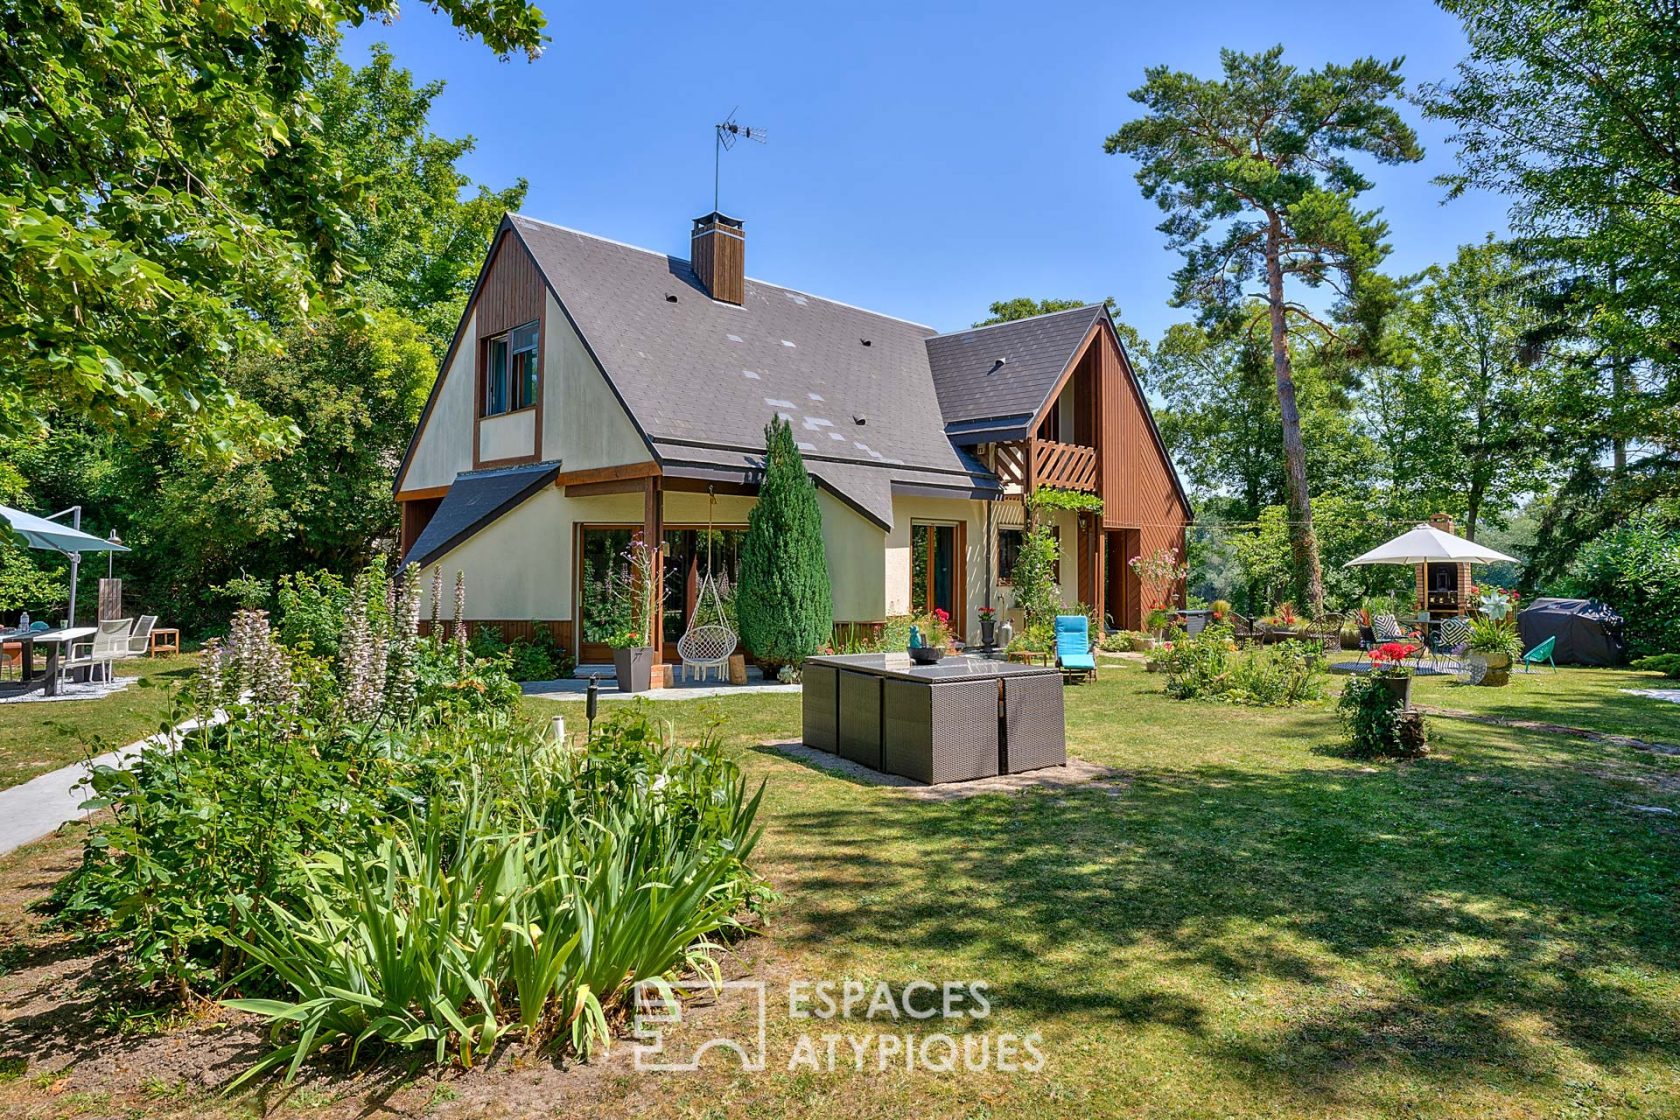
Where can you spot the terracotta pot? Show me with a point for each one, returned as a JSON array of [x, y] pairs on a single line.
[[634, 668]]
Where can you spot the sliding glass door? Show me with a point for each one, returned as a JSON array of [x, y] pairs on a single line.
[[601, 555]]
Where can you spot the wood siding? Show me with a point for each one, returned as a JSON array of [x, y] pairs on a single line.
[[509, 628], [512, 295], [1140, 494]]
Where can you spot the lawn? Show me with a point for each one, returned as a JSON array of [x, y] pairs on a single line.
[[1239, 924], [38, 737]]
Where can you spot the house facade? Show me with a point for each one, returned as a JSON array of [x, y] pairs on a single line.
[[596, 390]]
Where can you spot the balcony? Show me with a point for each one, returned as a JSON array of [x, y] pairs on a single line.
[[1067, 466]]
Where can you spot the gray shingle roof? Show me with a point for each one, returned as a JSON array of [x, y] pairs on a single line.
[[973, 386], [693, 371], [476, 499]]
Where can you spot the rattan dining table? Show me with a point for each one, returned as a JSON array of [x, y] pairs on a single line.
[[958, 719]]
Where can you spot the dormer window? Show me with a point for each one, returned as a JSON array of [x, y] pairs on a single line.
[[511, 370]]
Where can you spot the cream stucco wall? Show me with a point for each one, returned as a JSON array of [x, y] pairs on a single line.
[[896, 570], [445, 445], [583, 424], [512, 435], [520, 566]]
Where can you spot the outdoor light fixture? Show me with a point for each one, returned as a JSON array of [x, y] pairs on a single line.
[[591, 703]]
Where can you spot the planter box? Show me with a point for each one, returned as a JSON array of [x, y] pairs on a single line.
[[634, 668], [1142, 645]]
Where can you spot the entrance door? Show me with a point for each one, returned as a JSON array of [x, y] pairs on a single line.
[[936, 571], [1124, 595]]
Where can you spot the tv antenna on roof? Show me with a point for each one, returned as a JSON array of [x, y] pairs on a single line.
[[727, 134]]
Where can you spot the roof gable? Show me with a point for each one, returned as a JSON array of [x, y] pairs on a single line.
[[1005, 370], [693, 371]]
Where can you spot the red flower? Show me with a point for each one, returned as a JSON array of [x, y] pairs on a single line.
[[941, 615], [1392, 652]]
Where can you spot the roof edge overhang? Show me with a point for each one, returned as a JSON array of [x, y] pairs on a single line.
[[541, 475], [998, 429]]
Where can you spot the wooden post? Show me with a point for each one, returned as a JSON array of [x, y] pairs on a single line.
[[1030, 484], [653, 535], [110, 599], [1101, 575]]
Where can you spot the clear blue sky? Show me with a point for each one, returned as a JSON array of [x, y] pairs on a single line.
[[923, 159]]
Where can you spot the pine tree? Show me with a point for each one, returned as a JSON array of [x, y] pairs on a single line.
[[784, 605]]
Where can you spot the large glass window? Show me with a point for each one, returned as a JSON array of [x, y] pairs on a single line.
[[933, 568], [1008, 551], [511, 370]]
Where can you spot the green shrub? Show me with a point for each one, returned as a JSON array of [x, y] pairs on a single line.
[[1668, 664], [783, 598], [1037, 592], [538, 658], [1209, 666], [566, 877], [1377, 723], [311, 611], [1635, 568], [315, 757], [1198, 666], [1286, 673]]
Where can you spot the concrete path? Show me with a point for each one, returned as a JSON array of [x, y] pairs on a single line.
[[40, 805]]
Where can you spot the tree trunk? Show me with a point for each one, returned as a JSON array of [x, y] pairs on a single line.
[[1302, 540]]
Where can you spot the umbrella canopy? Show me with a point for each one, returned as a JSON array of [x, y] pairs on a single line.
[[41, 532], [1428, 545]]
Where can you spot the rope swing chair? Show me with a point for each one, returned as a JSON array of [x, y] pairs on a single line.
[[708, 641]]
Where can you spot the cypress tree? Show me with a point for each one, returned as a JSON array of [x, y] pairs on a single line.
[[784, 604]]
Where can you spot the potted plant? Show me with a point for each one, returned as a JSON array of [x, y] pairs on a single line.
[[930, 634], [1159, 619], [1218, 609], [1495, 645], [988, 625], [632, 645], [1388, 665]]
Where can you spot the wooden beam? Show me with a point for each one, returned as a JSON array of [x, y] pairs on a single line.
[[653, 535], [422, 494], [608, 474]]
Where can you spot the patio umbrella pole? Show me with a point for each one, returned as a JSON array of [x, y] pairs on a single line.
[[75, 513]]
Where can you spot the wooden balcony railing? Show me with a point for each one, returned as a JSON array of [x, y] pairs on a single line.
[[1064, 465]]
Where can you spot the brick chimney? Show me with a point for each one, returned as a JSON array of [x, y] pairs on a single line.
[[1443, 522], [719, 256]]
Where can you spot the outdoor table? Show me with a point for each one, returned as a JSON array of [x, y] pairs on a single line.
[[957, 719], [53, 640], [164, 640]]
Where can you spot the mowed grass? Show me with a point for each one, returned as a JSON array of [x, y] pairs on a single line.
[[1250, 925], [1589, 698], [1241, 923], [38, 737]]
